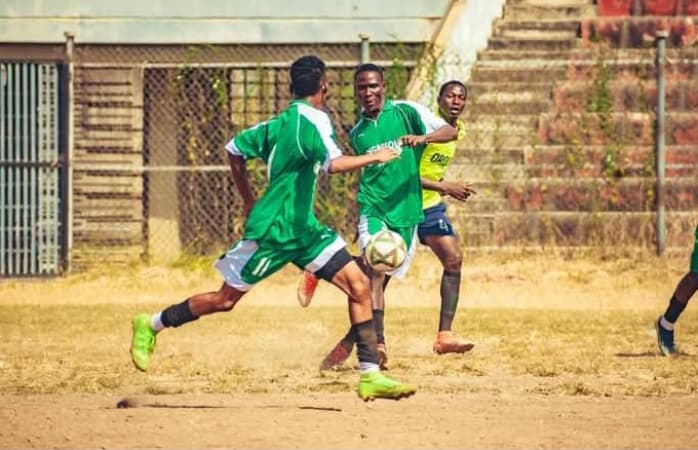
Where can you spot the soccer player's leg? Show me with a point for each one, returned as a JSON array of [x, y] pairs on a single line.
[[687, 286], [372, 383], [437, 232], [339, 268], [242, 266]]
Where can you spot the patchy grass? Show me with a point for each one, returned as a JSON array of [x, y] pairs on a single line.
[[53, 349]]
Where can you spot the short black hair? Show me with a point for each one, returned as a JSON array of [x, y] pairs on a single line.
[[306, 75], [368, 67], [452, 83]]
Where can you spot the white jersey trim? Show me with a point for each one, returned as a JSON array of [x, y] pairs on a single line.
[[432, 122], [233, 149], [234, 260], [322, 123], [324, 257]]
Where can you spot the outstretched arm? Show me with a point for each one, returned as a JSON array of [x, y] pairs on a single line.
[[346, 163], [446, 133], [458, 190], [242, 182]]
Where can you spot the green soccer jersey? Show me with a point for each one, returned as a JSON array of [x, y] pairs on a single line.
[[293, 145], [392, 191]]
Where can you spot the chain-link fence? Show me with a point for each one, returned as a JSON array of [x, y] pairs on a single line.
[[560, 143], [151, 175]]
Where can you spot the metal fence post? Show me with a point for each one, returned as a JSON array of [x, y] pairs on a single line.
[[68, 140], [659, 142], [365, 49]]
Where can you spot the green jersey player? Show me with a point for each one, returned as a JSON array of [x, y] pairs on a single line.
[[281, 227], [390, 195]]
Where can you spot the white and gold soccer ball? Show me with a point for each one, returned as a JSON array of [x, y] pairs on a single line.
[[386, 251]]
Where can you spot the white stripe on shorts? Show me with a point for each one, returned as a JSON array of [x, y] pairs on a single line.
[[235, 259], [325, 255]]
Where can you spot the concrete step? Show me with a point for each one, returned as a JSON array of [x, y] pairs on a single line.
[[628, 95], [599, 169], [495, 123], [566, 228], [485, 155], [479, 203], [491, 172], [570, 28], [532, 42], [512, 105], [510, 73], [477, 139], [487, 91], [629, 32], [627, 128], [599, 194], [588, 54], [577, 155], [548, 12]]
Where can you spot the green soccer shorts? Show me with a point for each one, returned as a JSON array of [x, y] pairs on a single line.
[[370, 225], [248, 262]]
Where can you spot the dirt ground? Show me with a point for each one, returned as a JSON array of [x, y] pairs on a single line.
[[503, 395], [343, 421]]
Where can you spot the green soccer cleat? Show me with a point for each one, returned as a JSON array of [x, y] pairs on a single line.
[[375, 385], [143, 342]]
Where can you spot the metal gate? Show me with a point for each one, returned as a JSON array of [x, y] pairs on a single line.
[[30, 170]]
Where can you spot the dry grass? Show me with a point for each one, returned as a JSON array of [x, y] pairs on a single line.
[[547, 325]]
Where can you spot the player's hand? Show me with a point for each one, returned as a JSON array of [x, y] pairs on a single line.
[[385, 154], [412, 140], [457, 190]]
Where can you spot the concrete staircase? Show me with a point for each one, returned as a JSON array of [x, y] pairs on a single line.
[[543, 161]]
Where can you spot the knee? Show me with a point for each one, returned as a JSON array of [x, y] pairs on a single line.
[[360, 289], [453, 262], [225, 303]]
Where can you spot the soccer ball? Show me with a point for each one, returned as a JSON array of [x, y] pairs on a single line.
[[386, 251]]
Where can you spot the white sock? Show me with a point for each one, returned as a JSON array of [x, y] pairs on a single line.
[[666, 324], [368, 367], [156, 322]]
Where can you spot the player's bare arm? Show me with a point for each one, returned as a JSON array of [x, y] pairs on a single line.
[[347, 163], [242, 183], [456, 189], [446, 133]]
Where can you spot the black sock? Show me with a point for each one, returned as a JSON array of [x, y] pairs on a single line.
[[450, 290], [366, 342], [177, 315], [378, 323], [674, 310], [348, 340]]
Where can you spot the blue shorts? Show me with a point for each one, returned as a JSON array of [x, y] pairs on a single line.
[[435, 223]]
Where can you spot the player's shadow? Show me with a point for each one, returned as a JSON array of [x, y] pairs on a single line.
[[650, 354], [636, 354], [122, 405], [164, 405]]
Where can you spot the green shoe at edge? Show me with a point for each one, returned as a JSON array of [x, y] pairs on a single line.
[[375, 385], [143, 342]]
